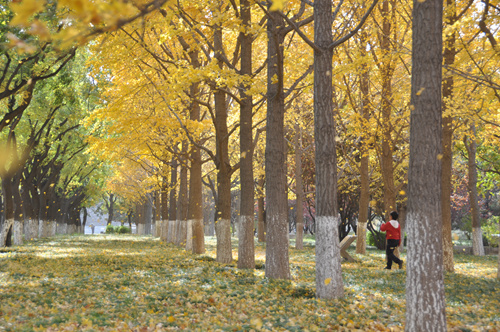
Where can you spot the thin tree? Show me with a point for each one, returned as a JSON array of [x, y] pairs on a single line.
[[477, 234]]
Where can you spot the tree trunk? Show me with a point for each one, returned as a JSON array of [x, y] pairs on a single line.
[[448, 83], [148, 213], [6, 231], [164, 210], [30, 194], [329, 284], [425, 298], [261, 217], [181, 221], [19, 212], [157, 214], [477, 234], [172, 210], [1, 209], [387, 101], [246, 247], [223, 223], [195, 209], [141, 218], [498, 271], [196, 204], [84, 219], [299, 190], [277, 260], [364, 196]]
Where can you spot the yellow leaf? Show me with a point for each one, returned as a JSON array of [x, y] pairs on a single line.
[[25, 9], [86, 322], [257, 322], [171, 319], [274, 79], [277, 5], [328, 280]]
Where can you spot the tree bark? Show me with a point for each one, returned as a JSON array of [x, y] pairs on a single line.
[[195, 184], [172, 208], [246, 247], [477, 234], [425, 298], [387, 101], [261, 217], [277, 259], [223, 223], [448, 85], [164, 209], [110, 205], [157, 214], [19, 212], [498, 271], [8, 224], [181, 227], [140, 218], [148, 213], [329, 284], [299, 190], [364, 197]]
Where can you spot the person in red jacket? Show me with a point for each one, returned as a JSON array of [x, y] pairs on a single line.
[[393, 237]]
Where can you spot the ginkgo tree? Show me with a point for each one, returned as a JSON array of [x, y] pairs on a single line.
[[186, 84]]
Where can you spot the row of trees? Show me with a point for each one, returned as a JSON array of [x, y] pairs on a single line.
[[46, 178], [199, 85]]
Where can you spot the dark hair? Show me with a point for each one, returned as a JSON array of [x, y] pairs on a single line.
[[394, 215]]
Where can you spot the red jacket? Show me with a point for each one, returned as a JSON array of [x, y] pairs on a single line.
[[392, 229]]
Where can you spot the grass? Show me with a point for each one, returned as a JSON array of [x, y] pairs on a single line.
[[132, 283]]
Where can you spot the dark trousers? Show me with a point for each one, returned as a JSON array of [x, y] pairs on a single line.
[[389, 251]]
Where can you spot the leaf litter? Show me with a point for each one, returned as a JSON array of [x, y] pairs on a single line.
[[133, 283]]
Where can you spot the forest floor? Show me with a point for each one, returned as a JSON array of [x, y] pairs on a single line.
[[133, 283]]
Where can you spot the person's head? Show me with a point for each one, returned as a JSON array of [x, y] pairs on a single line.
[[394, 215]]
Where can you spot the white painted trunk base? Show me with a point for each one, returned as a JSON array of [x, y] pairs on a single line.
[[52, 228], [223, 232], [246, 247], [477, 241], [361, 238], [189, 235], [425, 298], [157, 231], [3, 235], [17, 233], [72, 229], [141, 229], [171, 235], [41, 225], [329, 283], [62, 229], [198, 244], [164, 230], [31, 230], [43, 228]]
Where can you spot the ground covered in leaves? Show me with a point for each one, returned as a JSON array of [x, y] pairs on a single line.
[[131, 283]]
